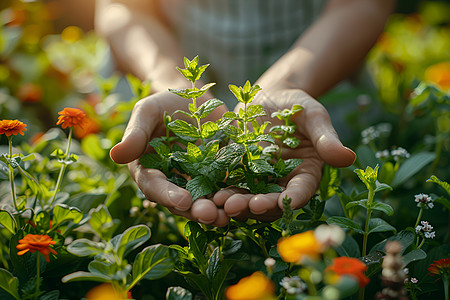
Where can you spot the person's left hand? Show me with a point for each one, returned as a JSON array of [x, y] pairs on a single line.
[[319, 144]]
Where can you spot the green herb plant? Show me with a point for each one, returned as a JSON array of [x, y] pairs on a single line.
[[211, 155]]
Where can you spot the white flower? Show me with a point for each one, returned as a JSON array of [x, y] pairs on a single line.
[[400, 153], [382, 154], [426, 226], [424, 201], [418, 228], [269, 262], [414, 280], [329, 235], [293, 285], [430, 235]]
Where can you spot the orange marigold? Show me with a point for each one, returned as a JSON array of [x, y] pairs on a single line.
[[350, 266], [254, 287], [12, 127], [105, 291], [439, 74], [294, 248], [440, 267], [36, 242], [90, 126], [70, 117]]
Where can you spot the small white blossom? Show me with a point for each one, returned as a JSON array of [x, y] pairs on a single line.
[[414, 280], [418, 228], [426, 226], [269, 263], [133, 211], [382, 154], [430, 235], [293, 285], [424, 201], [400, 153]]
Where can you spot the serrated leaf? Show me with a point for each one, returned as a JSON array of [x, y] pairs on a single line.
[[184, 130], [151, 161], [255, 111], [236, 92], [178, 293], [229, 155], [193, 152], [260, 166], [207, 107], [199, 186], [441, 183], [292, 142], [209, 129]]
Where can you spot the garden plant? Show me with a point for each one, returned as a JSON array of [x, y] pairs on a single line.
[[74, 225]]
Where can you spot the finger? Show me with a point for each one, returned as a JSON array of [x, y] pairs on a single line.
[[222, 196], [316, 123], [237, 204], [137, 134], [262, 203], [204, 210], [300, 189], [155, 186], [221, 220]]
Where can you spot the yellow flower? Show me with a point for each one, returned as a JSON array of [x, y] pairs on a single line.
[[293, 249], [254, 287], [439, 74], [106, 291]]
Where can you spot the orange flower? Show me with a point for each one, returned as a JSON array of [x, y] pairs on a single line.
[[105, 291], [70, 117], [90, 126], [440, 267], [293, 249], [254, 287], [29, 92], [12, 127], [350, 266], [439, 74], [36, 242]]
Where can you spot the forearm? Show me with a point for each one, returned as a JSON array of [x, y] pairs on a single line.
[[141, 44], [332, 48]]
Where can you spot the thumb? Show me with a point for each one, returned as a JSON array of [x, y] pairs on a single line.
[[317, 124]]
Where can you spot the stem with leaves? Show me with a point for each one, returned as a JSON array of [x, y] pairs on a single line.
[[11, 175]]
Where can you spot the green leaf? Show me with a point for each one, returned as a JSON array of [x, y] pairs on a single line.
[[384, 207], [405, 237], [236, 92], [329, 182], [52, 295], [199, 186], [85, 276], [414, 255], [9, 283], [349, 247], [441, 183], [206, 108], [62, 212], [178, 293], [151, 161], [192, 93], [292, 142], [184, 130], [411, 166], [255, 111], [112, 270], [102, 222], [130, 239], [260, 166], [209, 129], [85, 247], [153, 262], [382, 186], [345, 223], [7, 221], [380, 225], [193, 152], [197, 242], [228, 155]]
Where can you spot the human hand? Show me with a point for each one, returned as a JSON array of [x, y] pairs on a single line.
[[146, 122], [319, 144]]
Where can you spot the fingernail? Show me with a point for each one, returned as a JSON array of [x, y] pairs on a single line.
[[205, 222], [234, 215], [258, 212]]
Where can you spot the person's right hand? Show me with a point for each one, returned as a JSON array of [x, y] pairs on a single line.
[[146, 122]]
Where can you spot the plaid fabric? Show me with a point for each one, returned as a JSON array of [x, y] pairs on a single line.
[[239, 38]]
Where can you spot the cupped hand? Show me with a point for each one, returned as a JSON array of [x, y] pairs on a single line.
[[146, 122], [319, 144]]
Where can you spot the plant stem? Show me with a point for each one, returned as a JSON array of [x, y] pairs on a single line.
[[366, 232], [11, 175], [63, 167], [445, 281], [417, 223], [38, 275]]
